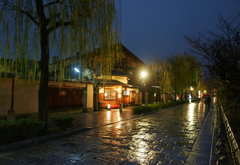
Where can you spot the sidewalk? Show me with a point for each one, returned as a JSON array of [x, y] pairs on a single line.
[[203, 148]]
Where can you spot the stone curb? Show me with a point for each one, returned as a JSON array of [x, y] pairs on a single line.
[[231, 139], [149, 113], [42, 138]]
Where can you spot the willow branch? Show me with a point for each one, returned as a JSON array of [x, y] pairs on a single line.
[[30, 16], [52, 3]]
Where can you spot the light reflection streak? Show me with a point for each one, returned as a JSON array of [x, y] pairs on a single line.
[[139, 147], [214, 99], [108, 115], [190, 113], [118, 119]]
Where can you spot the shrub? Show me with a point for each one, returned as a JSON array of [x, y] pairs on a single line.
[[138, 110], [160, 105], [63, 122], [17, 130], [150, 107], [153, 107], [147, 108]]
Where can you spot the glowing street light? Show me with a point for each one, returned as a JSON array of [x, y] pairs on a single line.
[[143, 74], [76, 70]]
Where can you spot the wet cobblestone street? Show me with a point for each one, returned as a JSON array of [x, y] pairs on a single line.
[[165, 137]]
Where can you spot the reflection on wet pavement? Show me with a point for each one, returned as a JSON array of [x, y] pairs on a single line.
[[165, 137], [101, 118]]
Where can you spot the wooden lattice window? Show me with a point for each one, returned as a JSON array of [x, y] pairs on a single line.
[[110, 94]]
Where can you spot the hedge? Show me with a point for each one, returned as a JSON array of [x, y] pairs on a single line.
[[17, 130], [63, 122], [153, 107]]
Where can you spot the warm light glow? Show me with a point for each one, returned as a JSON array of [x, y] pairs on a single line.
[[191, 88], [108, 105], [119, 119], [119, 95], [108, 115], [190, 113], [105, 94], [143, 74], [204, 91], [214, 100], [76, 70]]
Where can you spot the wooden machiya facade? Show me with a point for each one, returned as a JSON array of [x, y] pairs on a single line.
[[71, 95], [116, 94], [65, 96], [124, 85]]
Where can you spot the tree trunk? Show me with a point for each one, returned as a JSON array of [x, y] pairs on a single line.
[[43, 85], [165, 97], [181, 95]]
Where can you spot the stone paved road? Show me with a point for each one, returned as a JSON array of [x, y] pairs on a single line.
[[165, 137]]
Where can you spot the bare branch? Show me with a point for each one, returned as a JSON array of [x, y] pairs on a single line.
[[52, 3], [30, 16], [58, 24]]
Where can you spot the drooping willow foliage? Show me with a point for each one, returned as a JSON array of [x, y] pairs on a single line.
[[34, 31], [185, 72], [75, 29], [162, 71]]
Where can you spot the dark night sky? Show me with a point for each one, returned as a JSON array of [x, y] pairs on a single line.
[[154, 28]]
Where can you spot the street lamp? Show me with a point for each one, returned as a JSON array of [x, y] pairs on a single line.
[[143, 74], [77, 70]]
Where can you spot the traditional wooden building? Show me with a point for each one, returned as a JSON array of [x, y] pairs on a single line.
[[124, 85]]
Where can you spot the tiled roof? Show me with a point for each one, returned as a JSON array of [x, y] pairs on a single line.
[[115, 82], [119, 73]]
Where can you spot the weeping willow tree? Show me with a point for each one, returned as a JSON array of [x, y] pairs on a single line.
[[184, 73], [162, 69], [34, 30]]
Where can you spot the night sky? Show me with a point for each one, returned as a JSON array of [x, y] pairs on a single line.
[[155, 28]]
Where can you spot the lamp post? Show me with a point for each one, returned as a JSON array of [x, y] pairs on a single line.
[[143, 75]]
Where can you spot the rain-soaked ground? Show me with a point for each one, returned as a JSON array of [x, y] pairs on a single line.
[[165, 137]]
